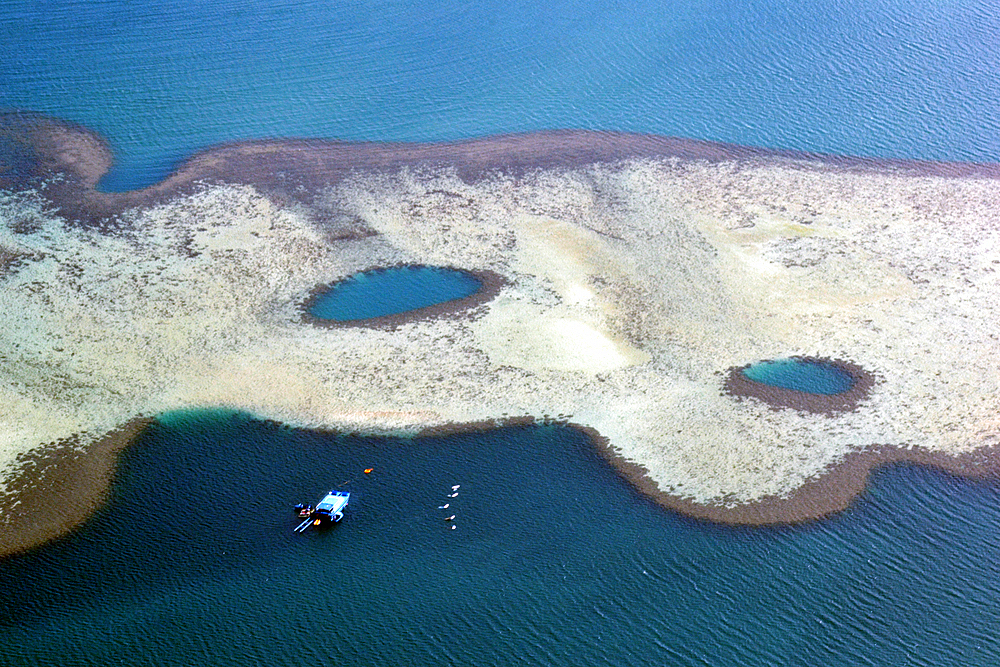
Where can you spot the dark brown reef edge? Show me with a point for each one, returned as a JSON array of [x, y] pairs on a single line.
[[58, 486], [288, 170], [833, 491], [71, 161]]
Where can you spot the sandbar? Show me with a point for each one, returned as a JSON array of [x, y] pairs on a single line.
[[627, 276]]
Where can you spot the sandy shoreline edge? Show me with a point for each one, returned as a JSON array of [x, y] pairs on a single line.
[[77, 482]]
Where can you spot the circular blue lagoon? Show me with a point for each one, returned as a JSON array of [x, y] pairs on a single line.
[[824, 386], [812, 376], [392, 291]]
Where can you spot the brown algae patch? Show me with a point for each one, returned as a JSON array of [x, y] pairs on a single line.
[[631, 275], [56, 487]]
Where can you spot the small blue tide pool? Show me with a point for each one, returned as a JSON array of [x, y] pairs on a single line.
[[811, 376], [392, 291]]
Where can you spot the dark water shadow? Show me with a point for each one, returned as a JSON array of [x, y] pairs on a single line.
[[555, 560]]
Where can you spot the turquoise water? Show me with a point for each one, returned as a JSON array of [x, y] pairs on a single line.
[[813, 377], [909, 78], [391, 291], [555, 561]]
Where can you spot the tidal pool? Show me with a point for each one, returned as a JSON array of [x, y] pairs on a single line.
[[812, 376], [391, 291]]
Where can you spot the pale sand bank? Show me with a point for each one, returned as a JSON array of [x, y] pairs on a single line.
[[628, 282]]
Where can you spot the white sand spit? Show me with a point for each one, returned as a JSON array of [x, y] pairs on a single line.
[[631, 289]]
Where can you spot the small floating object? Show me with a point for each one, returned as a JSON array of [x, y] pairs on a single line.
[[453, 526], [453, 495], [450, 518], [456, 487], [443, 507], [369, 471]]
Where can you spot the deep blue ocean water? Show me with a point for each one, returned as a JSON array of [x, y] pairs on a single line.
[[813, 377], [389, 291], [555, 559], [889, 78]]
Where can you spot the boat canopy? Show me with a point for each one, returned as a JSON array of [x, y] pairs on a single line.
[[334, 502]]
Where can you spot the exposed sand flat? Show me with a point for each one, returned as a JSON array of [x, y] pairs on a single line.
[[628, 289]]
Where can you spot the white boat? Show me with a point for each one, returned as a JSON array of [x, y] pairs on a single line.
[[331, 508], [327, 511]]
